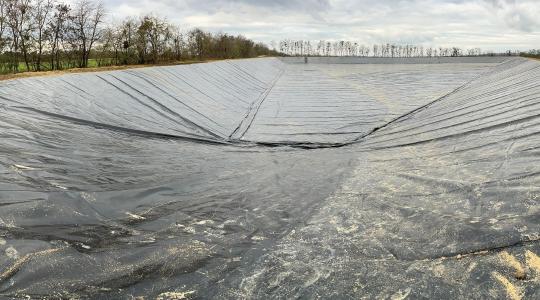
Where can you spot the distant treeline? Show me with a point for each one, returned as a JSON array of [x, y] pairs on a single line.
[[531, 53], [51, 35], [348, 48]]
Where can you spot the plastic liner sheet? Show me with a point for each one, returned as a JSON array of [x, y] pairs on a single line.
[[325, 104], [205, 101], [440, 200], [252, 101]]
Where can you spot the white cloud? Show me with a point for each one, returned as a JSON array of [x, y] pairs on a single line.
[[520, 15]]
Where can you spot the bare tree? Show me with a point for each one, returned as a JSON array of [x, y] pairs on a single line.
[[128, 33], [19, 21], [178, 42], [56, 31], [109, 43], [157, 35], [49, 34], [196, 41], [41, 11], [87, 18], [349, 48], [3, 17]]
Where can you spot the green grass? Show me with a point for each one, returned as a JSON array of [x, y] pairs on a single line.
[[106, 63], [46, 66]]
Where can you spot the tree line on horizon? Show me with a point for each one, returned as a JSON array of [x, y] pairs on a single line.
[[349, 48], [40, 35], [531, 53]]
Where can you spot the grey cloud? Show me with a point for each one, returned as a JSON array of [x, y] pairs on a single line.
[[521, 15], [522, 21], [465, 23]]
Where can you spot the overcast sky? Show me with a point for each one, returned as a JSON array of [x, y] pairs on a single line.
[[489, 24]]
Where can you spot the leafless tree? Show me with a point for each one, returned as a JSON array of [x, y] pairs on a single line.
[[349, 48], [50, 34], [41, 11], [178, 42], [152, 37], [127, 37], [3, 17], [158, 35], [109, 44], [19, 21], [196, 41], [87, 18], [57, 27]]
